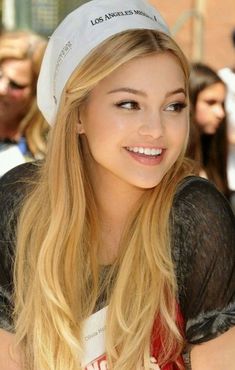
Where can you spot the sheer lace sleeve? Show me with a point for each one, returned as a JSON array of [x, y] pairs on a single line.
[[13, 186], [204, 253]]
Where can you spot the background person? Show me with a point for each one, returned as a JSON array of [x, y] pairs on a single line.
[[208, 132], [23, 129], [227, 74], [114, 226]]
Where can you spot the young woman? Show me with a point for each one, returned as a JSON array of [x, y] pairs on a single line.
[[208, 138], [123, 261], [23, 129]]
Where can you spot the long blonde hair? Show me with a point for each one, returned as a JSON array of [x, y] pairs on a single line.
[[22, 45], [56, 272]]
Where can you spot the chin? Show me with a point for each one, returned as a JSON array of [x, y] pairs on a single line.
[[145, 185], [211, 131]]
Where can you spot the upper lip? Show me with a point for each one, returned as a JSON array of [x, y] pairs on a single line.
[[145, 146]]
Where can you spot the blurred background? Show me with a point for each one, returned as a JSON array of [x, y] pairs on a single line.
[[202, 27]]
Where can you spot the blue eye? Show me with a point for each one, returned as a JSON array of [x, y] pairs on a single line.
[[176, 107], [128, 104]]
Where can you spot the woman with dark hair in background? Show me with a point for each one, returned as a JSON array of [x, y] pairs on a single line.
[[227, 74], [208, 133]]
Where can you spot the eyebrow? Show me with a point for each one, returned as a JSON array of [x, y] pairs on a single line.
[[128, 90], [181, 90], [139, 92]]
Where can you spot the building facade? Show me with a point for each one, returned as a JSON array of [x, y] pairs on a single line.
[[201, 27]]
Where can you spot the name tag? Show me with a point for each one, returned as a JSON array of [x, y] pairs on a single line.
[[94, 342]]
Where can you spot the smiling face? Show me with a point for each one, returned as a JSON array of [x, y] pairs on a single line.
[[209, 110], [135, 122]]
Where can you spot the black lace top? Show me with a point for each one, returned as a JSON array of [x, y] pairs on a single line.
[[203, 249]]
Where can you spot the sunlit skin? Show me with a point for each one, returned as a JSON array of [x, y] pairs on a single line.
[[140, 105], [209, 110], [15, 94]]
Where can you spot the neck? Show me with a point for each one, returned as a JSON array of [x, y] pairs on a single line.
[[115, 197], [115, 200]]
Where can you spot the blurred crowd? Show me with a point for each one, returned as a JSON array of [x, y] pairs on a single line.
[[212, 125], [24, 131]]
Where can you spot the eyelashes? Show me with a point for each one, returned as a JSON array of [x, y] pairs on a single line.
[[176, 107], [134, 105], [11, 84], [15, 86], [128, 104]]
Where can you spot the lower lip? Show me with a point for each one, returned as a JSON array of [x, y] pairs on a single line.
[[147, 159]]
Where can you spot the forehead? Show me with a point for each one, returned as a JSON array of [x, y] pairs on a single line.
[[17, 70], [156, 72], [216, 91]]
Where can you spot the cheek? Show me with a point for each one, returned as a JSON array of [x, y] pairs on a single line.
[[202, 112], [103, 127], [179, 130], [21, 95], [97, 135], [181, 136]]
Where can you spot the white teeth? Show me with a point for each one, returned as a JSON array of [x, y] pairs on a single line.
[[146, 151]]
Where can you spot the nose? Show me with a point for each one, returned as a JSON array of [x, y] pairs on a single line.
[[220, 111], [152, 125]]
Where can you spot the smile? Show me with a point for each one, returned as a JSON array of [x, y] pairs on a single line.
[[145, 151]]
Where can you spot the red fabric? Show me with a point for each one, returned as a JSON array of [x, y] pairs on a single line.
[[157, 342]]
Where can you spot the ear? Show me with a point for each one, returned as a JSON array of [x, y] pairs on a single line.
[[79, 128]]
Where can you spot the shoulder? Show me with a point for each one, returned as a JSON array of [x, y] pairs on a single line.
[[203, 242], [14, 186], [194, 183], [15, 183], [200, 195], [20, 173], [203, 213]]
